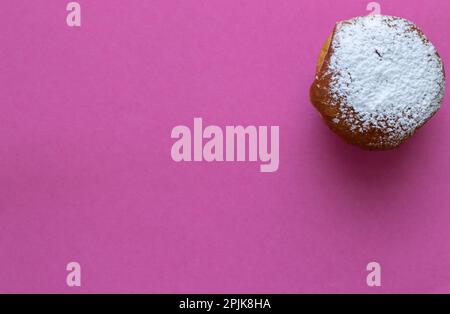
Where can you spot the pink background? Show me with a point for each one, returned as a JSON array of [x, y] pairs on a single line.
[[86, 173]]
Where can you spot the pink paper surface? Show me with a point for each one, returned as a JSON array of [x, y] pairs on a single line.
[[86, 173]]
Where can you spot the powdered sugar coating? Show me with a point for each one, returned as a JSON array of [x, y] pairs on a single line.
[[385, 75]]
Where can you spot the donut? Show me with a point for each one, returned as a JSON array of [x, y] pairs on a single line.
[[378, 79]]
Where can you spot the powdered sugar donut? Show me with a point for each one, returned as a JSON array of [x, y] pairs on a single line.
[[378, 80]]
